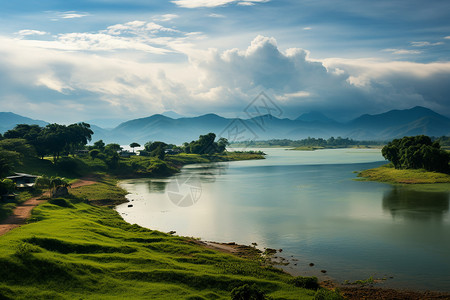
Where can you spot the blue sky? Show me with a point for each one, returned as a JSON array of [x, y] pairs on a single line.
[[68, 61]]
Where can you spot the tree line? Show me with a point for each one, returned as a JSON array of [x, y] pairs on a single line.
[[53, 139], [314, 142], [417, 152]]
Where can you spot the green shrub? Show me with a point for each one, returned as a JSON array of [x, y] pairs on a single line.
[[310, 283], [324, 294], [247, 292]]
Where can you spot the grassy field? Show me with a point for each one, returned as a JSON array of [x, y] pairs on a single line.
[[74, 250], [416, 179]]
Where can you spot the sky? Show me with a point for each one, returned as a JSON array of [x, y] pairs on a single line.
[[110, 60]]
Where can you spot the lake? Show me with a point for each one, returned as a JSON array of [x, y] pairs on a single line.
[[308, 204]]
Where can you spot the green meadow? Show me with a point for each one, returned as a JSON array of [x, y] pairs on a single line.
[[74, 250]]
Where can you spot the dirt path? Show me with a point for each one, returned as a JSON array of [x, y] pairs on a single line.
[[23, 211]]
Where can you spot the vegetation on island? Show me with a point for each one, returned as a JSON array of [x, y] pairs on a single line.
[[417, 152], [413, 160]]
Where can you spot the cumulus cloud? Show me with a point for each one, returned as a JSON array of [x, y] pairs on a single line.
[[48, 78]]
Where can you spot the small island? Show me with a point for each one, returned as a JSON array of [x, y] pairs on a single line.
[[413, 161]]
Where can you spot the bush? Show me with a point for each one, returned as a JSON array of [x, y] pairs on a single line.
[[67, 165], [324, 294], [247, 292], [310, 283]]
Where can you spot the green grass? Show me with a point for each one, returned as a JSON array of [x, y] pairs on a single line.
[[416, 179], [105, 192], [88, 252]]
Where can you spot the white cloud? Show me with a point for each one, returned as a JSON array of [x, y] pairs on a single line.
[[72, 15], [402, 51], [216, 16], [213, 3], [68, 72], [26, 32], [425, 44], [289, 96], [167, 17]]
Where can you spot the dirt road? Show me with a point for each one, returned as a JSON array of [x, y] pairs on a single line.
[[23, 211]]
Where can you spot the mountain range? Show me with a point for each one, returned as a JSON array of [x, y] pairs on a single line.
[[178, 129]]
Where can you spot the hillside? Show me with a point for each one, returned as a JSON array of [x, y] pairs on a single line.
[[8, 120]]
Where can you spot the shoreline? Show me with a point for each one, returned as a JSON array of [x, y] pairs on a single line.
[[350, 291]]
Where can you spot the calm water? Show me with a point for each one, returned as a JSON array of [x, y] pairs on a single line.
[[307, 204]]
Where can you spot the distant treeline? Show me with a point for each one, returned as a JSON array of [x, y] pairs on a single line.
[[313, 142], [332, 142]]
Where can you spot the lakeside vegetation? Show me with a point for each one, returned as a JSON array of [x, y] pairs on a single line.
[[415, 161], [75, 250], [72, 247]]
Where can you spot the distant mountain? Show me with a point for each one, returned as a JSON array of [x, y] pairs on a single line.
[[395, 118], [385, 126], [106, 122], [399, 123], [172, 114], [9, 120], [314, 116]]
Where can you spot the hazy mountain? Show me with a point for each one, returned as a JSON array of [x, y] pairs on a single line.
[[395, 118], [385, 126], [314, 116], [106, 122], [9, 120], [172, 114], [399, 123]]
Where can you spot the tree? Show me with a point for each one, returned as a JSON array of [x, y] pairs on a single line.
[[222, 144], [100, 145], [94, 153], [417, 152], [134, 145], [78, 135], [113, 148], [7, 186]]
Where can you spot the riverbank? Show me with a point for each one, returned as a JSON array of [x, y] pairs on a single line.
[[76, 250]]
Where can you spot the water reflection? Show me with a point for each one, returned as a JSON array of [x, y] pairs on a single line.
[[415, 205], [156, 186], [207, 173]]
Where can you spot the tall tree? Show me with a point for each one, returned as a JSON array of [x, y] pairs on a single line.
[[134, 145]]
